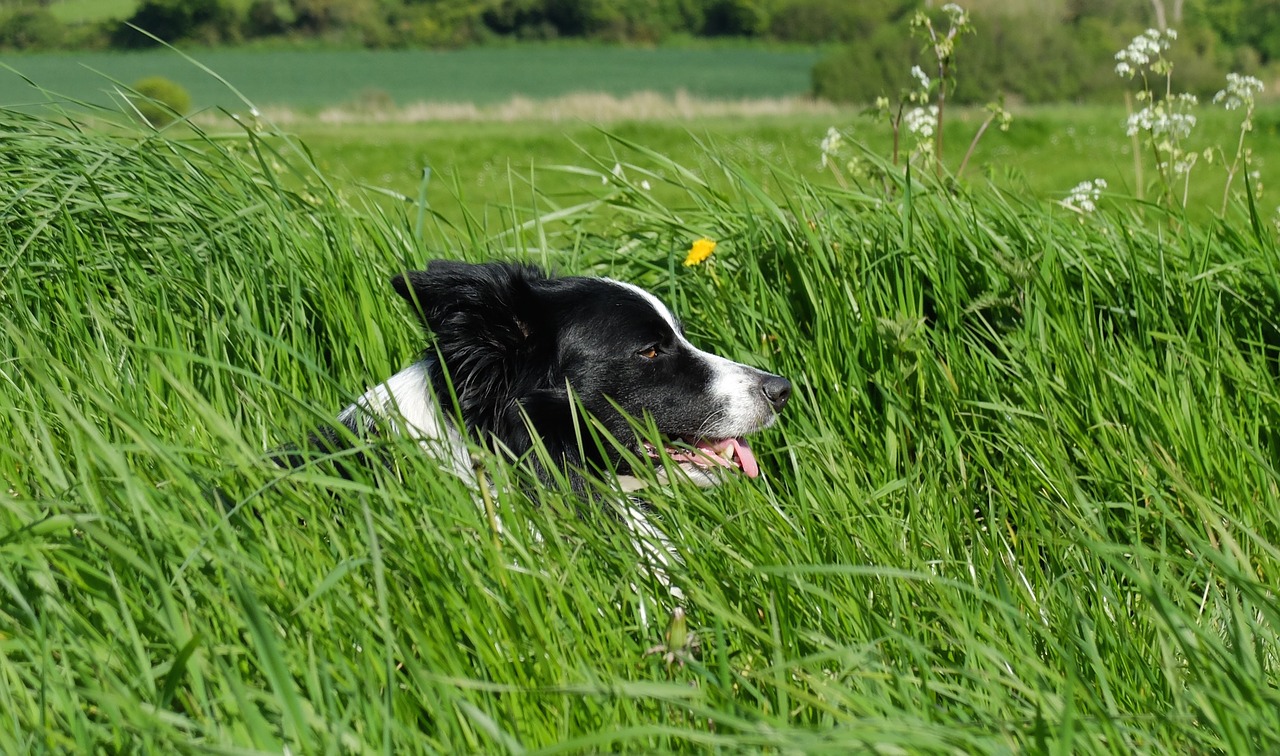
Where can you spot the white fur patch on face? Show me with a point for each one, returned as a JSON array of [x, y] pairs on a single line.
[[744, 408], [653, 301], [747, 410]]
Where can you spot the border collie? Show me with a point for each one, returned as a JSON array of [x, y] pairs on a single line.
[[515, 346], [523, 354]]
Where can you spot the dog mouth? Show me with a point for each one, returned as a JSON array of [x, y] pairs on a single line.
[[709, 454]]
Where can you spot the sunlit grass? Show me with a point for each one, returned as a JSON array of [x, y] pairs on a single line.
[[1047, 151], [1024, 496]]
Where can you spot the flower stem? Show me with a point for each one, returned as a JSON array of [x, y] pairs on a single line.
[[1138, 183], [973, 144], [1235, 164]]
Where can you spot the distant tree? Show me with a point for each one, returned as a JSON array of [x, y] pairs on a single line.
[[268, 17], [30, 29], [327, 15], [1016, 56], [735, 18], [1114, 11], [438, 23], [176, 20], [877, 66], [834, 20], [520, 18], [1252, 23], [363, 21]]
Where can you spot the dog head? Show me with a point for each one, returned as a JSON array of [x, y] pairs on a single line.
[[517, 345]]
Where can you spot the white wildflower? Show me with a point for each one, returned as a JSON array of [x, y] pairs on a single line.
[[831, 144], [1145, 49], [959, 16], [644, 184], [1240, 91], [1084, 197], [921, 77], [921, 121], [1159, 121]]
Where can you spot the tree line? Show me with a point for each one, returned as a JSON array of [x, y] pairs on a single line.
[[1031, 50], [28, 24]]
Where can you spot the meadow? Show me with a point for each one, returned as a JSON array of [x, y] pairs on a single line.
[[1024, 498], [484, 166]]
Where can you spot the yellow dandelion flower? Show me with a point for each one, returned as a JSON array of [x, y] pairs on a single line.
[[700, 251]]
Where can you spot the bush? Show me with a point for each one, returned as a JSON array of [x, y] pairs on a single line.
[[834, 20], [864, 71], [159, 101], [84, 37], [208, 21], [30, 29], [1016, 55], [428, 26], [268, 17], [1027, 58], [735, 18]]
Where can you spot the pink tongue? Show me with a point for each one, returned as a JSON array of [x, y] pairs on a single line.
[[742, 456]]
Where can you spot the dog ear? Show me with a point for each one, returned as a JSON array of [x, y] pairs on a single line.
[[490, 302], [487, 321]]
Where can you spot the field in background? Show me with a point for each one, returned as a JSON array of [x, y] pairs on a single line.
[[1045, 153], [472, 115], [313, 79]]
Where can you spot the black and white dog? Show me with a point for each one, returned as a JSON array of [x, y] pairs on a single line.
[[515, 346], [524, 354]]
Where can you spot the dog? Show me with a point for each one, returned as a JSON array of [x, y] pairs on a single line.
[[522, 357]]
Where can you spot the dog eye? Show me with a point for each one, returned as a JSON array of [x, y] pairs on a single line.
[[648, 353]]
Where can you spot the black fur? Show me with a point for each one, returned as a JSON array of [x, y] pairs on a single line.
[[513, 342]]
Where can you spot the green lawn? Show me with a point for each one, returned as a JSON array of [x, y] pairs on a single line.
[[1024, 497]]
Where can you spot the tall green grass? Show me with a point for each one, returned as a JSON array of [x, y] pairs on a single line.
[[1024, 497]]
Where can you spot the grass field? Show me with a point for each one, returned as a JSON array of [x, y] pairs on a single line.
[[480, 167], [311, 79], [384, 136], [1025, 497]]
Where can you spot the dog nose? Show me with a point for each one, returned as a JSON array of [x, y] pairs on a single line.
[[777, 390]]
